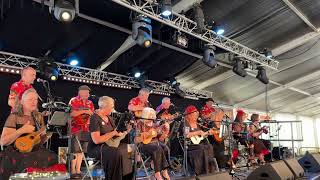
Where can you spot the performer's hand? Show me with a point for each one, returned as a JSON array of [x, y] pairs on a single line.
[[27, 128], [88, 112]]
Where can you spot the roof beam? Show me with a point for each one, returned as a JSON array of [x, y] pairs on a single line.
[[280, 88], [300, 15], [127, 44], [309, 98], [184, 5], [214, 80]]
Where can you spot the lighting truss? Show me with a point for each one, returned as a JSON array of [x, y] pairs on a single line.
[[13, 63], [151, 8]]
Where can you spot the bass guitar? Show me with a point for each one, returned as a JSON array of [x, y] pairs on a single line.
[[26, 143]]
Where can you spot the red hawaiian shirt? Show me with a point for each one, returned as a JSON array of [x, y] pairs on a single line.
[[19, 88], [76, 104], [136, 102]]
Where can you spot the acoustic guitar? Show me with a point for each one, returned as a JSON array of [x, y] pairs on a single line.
[[26, 143]]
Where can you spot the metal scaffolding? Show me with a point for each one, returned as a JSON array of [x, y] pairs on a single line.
[[13, 63], [151, 8]]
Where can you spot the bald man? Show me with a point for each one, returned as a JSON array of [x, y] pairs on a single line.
[[28, 75]]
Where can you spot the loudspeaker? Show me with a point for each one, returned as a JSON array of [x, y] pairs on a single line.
[[216, 176], [310, 162], [295, 167], [273, 171]]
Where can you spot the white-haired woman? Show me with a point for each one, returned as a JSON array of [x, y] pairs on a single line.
[[157, 150], [24, 120], [102, 128]]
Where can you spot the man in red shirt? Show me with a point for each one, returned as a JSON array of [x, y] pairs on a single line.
[[81, 110], [28, 75], [138, 103]]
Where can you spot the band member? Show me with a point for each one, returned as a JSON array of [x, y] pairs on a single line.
[[159, 152], [213, 122], [102, 129], [24, 120], [28, 75], [200, 156], [81, 110], [138, 103], [255, 131]]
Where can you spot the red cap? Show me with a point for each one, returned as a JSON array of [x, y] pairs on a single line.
[[207, 110], [240, 113], [190, 109]]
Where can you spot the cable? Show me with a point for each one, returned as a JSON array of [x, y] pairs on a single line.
[[308, 49]]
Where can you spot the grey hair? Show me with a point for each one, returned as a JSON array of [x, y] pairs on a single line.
[[144, 90], [165, 99], [104, 101], [18, 108]]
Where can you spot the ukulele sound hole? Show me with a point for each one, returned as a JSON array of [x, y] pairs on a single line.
[[31, 137]]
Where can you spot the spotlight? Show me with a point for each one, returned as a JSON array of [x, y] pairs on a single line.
[[262, 75], [48, 68], [166, 8], [172, 81], [64, 10], [142, 31], [176, 86], [180, 39], [209, 57], [199, 18], [74, 62], [238, 68], [267, 52], [218, 30]]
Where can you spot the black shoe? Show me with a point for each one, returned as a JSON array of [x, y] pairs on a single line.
[[75, 176]]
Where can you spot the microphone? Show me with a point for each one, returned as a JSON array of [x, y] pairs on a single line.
[[47, 105], [41, 80]]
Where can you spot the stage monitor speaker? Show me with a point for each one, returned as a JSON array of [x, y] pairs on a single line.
[[216, 176], [273, 171], [310, 162], [295, 167]]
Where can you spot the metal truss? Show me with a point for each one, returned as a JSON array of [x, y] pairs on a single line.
[[151, 8], [13, 63]]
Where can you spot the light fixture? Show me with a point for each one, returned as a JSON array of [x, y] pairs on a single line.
[[74, 62], [180, 39], [267, 52], [209, 56], [166, 8], [199, 18], [176, 86], [262, 75], [238, 68], [218, 30], [137, 74], [64, 10], [142, 31], [48, 68]]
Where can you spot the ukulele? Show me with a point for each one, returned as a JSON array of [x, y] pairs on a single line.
[[197, 139], [115, 141], [26, 143], [81, 119]]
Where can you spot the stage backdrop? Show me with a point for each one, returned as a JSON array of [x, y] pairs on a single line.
[[68, 89]]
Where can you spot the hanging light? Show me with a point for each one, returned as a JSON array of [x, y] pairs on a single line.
[[142, 31], [262, 75], [166, 8], [209, 57], [238, 68], [64, 10]]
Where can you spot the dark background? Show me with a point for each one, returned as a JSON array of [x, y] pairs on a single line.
[[68, 89]]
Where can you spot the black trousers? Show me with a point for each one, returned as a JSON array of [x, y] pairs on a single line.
[[159, 154], [111, 160]]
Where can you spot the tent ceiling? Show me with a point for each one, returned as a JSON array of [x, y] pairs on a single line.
[[31, 30]]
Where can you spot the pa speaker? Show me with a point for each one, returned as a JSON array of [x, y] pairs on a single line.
[[295, 167], [216, 176], [310, 162], [273, 171]]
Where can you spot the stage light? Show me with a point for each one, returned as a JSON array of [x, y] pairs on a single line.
[[137, 74], [219, 30], [172, 81], [64, 10], [180, 39], [48, 68], [267, 52], [199, 18], [238, 68], [142, 31], [262, 75], [74, 62], [209, 57], [166, 8]]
